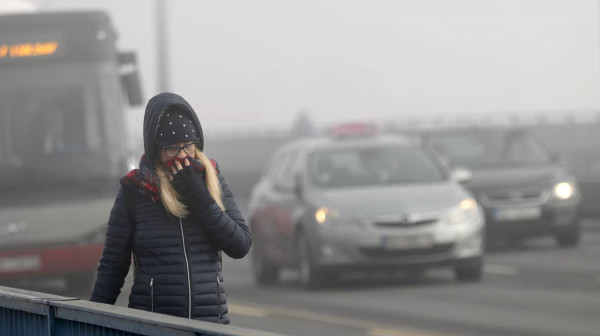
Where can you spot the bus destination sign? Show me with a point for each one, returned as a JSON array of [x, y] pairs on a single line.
[[28, 49], [21, 47]]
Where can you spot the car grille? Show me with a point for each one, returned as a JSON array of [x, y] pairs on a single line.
[[383, 253], [514, 197], [404, 224]]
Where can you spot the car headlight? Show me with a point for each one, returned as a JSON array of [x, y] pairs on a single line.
[[465, 212], [564, 190], [334, 219], [321, 215]]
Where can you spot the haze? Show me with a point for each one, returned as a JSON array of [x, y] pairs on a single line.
[[254, 65]]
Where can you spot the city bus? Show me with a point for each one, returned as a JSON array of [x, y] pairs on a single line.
[[64, 90]]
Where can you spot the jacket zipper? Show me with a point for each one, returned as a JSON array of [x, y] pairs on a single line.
[[135, 264], [152, 294], [219, 297], [187, 264]]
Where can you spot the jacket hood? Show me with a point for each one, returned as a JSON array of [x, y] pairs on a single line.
[[155, 109]]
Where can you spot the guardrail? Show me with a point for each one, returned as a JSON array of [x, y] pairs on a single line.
[[422, 121], [30, 313]]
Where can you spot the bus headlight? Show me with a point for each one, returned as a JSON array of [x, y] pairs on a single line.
[[564, 190]]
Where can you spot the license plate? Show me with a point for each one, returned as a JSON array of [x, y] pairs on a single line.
[[407, 242], [516, 214], [17, 264]]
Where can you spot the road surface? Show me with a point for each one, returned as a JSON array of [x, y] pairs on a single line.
[[535, 289]]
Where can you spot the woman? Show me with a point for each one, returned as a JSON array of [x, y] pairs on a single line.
[[175, 214]]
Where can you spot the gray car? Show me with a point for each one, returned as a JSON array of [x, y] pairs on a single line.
[[524, 190], [362, 203]]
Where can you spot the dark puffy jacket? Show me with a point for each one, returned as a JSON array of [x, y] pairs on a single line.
[[177, 261]]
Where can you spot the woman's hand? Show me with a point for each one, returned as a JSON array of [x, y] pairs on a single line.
[[176, 167], [187, 182]]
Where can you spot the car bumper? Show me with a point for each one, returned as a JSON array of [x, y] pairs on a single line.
[[449, 245], [553, 219]]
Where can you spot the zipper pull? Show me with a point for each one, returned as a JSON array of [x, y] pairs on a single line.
[[151, 282]]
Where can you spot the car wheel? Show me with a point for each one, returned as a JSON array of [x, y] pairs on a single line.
[[471, 273], [568, 238], [265, 273], [309, 275]]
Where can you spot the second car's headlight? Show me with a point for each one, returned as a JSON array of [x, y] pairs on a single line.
[[564, 190], [332, 218], [466, 211]]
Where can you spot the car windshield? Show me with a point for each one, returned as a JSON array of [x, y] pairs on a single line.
[[372, 166], [489, 149]]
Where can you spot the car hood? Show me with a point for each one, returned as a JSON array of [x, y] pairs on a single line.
[[515, 178], [392, 199]]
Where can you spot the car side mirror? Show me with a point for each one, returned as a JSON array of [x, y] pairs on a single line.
[[461, 175]]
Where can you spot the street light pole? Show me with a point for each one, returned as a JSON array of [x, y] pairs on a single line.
[[162, 49]]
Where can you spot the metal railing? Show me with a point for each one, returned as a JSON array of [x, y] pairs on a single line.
[[30, 313]]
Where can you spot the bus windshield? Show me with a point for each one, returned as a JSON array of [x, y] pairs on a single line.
[[50, 135], [61, 117]]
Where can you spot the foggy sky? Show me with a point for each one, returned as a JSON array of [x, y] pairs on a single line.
[[250, 64]]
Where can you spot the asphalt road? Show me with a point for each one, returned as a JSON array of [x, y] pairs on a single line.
[[535, 289]]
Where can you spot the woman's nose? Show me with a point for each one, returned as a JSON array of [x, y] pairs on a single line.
[[181, 154]]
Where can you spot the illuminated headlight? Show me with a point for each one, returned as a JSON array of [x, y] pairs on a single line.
[[321, 215], [332, 218], [564, 190], [466, 211]]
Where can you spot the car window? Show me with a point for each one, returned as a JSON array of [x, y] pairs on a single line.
[[372, 166], [276, 166], [284, 177], [483, 149]]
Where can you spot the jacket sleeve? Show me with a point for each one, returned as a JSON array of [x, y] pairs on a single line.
[[116, 257], [227, 228]]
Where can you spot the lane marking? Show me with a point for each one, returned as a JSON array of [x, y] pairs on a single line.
[[500, 270], [393, 332], [373, 329], [247, 311]]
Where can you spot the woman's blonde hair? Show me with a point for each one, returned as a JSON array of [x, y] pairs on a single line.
[[171, 199]]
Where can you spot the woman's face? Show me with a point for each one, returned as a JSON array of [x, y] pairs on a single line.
[[183, 150]]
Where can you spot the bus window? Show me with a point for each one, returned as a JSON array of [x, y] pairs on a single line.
[[52, 127]]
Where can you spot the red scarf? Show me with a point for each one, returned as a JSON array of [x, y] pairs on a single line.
[[145, 181]]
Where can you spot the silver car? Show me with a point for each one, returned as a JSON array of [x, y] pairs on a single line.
[[362, 203]]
